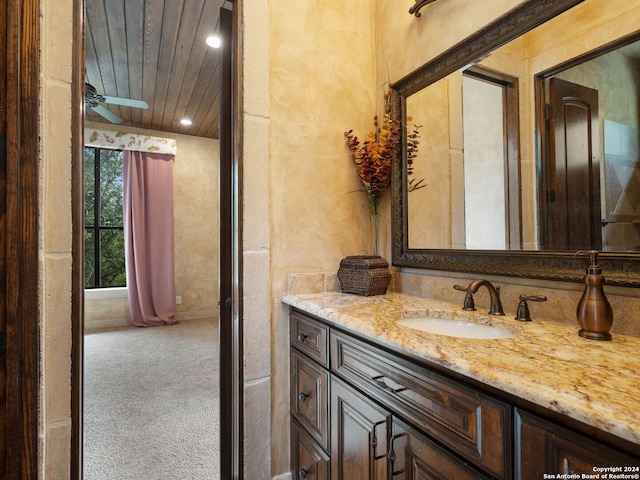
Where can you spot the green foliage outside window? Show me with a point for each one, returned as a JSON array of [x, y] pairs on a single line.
[[104, 234]]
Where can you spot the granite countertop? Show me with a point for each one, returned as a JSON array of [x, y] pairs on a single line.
[[546, 363]]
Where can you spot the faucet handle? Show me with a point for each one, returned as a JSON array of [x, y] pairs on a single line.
[[468, 299], [522, 313]]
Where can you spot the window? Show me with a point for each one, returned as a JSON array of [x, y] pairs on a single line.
[[104, 259]]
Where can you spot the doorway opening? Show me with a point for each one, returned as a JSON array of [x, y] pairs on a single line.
[[230, 335]]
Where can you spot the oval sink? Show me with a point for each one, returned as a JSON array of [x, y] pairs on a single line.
[[455, 328]]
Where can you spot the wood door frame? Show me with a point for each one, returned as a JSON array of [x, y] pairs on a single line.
[[77, 262], [230, 275], [21, 235]]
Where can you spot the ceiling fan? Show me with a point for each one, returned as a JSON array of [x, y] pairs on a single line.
[[96, 102]]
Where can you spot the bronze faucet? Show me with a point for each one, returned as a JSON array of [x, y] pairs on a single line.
[[494, 292]]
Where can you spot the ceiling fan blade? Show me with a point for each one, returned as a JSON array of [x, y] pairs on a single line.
[[112, 117], [126, 102]]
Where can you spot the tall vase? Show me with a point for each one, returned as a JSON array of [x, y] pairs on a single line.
[[374, 234]]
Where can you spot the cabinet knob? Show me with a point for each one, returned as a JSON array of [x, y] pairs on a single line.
[[302, 337], [302, 473], [302, 396]]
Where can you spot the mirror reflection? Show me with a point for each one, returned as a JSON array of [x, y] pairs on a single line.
[[485, 192], [590, 198], [470, 145]]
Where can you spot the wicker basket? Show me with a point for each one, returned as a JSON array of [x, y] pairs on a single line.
[[364, 275]]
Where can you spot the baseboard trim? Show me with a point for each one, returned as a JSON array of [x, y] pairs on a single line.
[[197, 314], [92, 326]]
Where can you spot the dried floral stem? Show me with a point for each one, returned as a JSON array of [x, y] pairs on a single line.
[[413, 135]]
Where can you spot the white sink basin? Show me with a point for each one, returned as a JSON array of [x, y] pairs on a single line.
[[455, 328]]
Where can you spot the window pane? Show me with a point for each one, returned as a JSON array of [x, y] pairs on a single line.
[[89, 186], [112, 272], [104, 261], [89, 255], [111, 188]]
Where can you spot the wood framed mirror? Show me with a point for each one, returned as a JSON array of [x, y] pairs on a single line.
[[527, 256]]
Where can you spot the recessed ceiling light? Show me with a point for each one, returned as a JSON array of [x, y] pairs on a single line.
[[186, 121], [213, 41]]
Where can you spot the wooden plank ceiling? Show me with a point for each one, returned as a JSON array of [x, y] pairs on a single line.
[[154, 50]]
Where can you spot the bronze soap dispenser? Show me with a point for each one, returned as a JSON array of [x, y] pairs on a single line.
[[594, 312]]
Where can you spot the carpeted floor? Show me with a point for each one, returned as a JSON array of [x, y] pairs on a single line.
[[151, 403]]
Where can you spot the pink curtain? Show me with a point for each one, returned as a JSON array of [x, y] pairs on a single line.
[[148, 230]]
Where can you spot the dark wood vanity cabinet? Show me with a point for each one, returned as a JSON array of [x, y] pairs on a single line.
[[360, 412], [349, 415]]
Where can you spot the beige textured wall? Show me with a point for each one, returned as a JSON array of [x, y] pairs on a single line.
[[404, 42], [256, 241], [196, 226], [322, 72], [435, 204], [195, 192], [55, 221]]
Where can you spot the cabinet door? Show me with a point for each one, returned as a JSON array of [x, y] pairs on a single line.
[[413, 456], [545, 448], [359, 433], [308, 460], [310, 398]]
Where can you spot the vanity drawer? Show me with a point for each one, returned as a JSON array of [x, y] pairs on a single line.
[[469, 422], [310, 337], [308, 460], [310, 397]]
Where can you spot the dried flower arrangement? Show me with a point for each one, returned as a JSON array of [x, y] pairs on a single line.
[[374, 159]]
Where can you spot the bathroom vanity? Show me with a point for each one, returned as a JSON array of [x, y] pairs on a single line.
[[371, 399]]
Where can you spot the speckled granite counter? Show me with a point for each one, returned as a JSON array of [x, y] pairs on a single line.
[[546, 363]]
